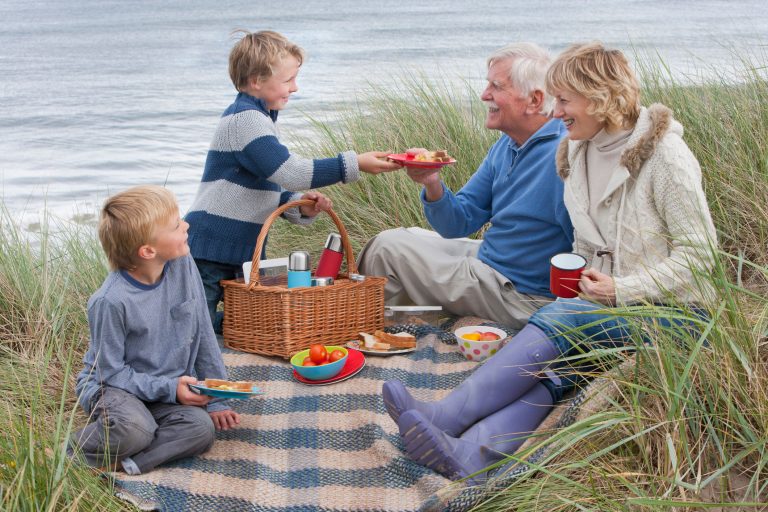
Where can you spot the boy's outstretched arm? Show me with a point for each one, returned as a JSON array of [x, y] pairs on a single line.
[[374, 162]]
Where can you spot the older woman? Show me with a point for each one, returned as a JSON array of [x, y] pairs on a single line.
[[633, 191]]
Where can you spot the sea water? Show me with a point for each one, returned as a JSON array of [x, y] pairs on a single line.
[[101, 95]]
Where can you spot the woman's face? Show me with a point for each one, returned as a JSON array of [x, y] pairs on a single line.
[[571, 107]]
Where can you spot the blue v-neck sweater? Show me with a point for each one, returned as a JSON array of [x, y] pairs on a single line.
[[518, 191]]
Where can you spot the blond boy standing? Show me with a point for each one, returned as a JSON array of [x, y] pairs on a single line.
[[151, 336], [249, 173]]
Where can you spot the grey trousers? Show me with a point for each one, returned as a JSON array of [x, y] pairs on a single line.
[[150, 433], [424, 268]]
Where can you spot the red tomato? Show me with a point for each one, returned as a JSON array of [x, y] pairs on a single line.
[[306, 360], [318, 354], [336, 355], [489, 336]]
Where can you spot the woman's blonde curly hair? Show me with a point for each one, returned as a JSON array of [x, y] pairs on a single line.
[[601, 75]]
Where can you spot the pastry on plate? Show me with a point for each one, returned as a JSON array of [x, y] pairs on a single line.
[[228, 385]]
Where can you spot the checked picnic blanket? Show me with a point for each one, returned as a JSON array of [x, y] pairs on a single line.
[[322, 447]]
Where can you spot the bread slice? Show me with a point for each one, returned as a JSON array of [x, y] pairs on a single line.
[[399, 340], [227, 385], [372, 342]]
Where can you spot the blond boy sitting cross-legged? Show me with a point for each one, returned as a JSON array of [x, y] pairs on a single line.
[[151, 337]]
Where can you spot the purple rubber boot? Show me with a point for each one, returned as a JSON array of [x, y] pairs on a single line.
[[484, 444], [496, 383], [505, 430], [447, 455]]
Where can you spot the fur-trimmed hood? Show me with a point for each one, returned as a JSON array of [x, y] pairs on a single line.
[[653, 123]]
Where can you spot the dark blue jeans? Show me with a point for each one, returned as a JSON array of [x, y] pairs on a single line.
[[578, 326], [211, 273]]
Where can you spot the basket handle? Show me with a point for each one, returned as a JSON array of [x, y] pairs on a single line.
[[351, 267]]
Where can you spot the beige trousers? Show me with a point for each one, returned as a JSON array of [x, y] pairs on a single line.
[[426, 269]]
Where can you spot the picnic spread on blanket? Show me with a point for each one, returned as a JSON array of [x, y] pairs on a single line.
[[306, 358], [305, 447]]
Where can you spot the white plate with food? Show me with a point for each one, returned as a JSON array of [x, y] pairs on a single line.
[[381, 343], [373, 352]]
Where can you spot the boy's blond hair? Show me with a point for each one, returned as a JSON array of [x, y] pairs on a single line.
[[129, 219], [604, 77], [257, 54]]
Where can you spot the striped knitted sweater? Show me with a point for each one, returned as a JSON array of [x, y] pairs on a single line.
[[248, 174]]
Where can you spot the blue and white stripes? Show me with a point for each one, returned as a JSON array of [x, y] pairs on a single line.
[[248, 174]]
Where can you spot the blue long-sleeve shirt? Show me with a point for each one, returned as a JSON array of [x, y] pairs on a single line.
[[144, 337], [248, 174], [518, 191]]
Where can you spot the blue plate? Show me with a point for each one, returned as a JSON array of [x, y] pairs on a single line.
[[225, 393]]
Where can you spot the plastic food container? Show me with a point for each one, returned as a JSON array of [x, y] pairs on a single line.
[[396, 315], [270, 271]]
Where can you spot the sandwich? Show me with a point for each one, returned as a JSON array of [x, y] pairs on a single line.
[[397, 340], [383, 341], [245, 386], [371, 342]]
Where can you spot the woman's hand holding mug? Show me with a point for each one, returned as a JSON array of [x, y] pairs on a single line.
[[598, 287]]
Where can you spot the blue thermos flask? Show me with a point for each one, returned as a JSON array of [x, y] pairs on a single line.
[[298, 269]]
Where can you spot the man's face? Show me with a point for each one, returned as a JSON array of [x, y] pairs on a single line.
[[506, 105]]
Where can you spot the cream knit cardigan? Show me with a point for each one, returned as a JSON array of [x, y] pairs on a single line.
[[658, 226]]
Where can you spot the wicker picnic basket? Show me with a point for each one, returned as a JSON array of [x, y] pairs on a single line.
[[279, 321]]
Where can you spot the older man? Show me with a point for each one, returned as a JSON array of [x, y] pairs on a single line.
[[504, 277]]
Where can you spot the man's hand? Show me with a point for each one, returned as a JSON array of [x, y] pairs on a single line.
[[375, 162], [186, 396], [322, 204], [225, 420], [424, 176], [598, 287], [430, 178]]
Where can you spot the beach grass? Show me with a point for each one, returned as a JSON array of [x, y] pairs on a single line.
[[44, 286], [725, 121], [688, 428]]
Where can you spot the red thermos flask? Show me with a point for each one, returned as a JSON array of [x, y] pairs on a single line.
[[330, 259]]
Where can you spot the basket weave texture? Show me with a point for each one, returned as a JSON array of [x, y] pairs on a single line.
[[280, 321]]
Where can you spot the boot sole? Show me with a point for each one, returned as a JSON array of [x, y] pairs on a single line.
[[428, 447]]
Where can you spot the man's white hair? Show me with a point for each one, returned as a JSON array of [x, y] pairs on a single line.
[[527, 70]]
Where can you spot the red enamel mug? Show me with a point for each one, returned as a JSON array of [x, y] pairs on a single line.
[[564, 274]]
